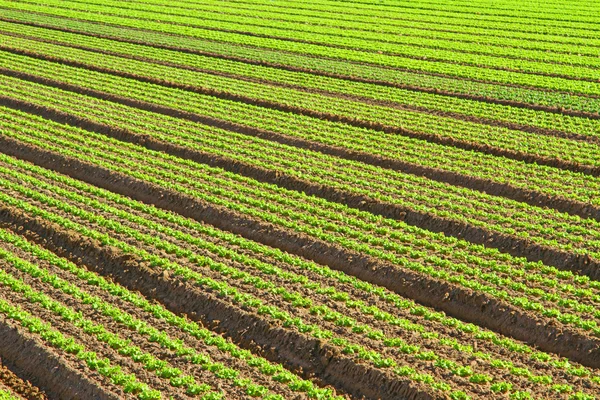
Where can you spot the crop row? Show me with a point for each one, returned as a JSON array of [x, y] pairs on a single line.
[[455, 70], [303, 164], [360, 22], [551, 32], [420, 124], [230, 274], [318, 168], [7, 395], [55, 338], [314, 64], [511, 6], [256, 202], [78, 277], [548, 180], [57, 185], [270, 76], [388, 41], [451, 11], [288, 317]]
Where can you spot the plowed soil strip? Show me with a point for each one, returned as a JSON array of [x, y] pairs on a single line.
[[177, 230], [58, 373], [16, 385], [552, 255], [442, 353]]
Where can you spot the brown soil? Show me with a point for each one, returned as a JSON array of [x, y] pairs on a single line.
[[126, 363], [511, 244], [454, 300], [412, 338], [13, 383], [506, 190]]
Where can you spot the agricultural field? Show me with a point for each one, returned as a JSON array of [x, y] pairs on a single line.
[[283, 199]]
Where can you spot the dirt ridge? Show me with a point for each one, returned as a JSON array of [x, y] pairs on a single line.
[[531, 197], [456, 301], [13, 382]]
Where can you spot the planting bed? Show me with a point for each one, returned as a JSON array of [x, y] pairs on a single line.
[[289, 200]]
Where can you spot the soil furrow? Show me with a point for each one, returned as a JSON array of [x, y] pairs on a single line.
[[15, 384], [531, 197], [511, 244], [246, 249], [454, 300]]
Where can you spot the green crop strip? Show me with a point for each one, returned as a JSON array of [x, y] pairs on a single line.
[[258, 249], [54, 338], [130, 19], [431, 101], [544, 179], [5, 395], [423, 123], [521, 302], [209, 338], [328, 315], [181, 250], [158, 367], [383, 30], [265, 268], [551, 99], [473, 64], [220, 18]]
